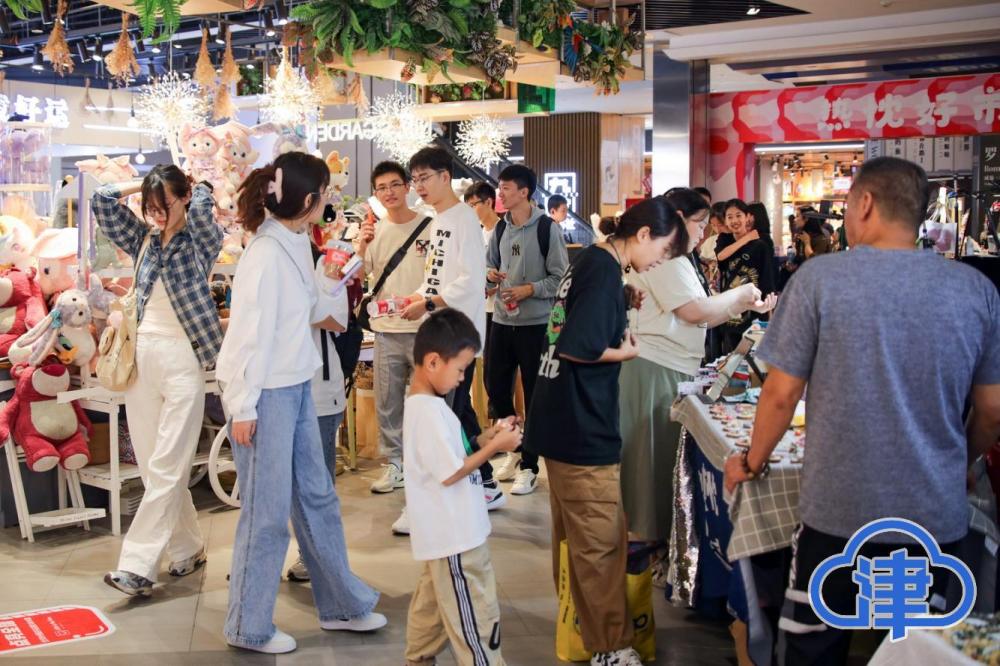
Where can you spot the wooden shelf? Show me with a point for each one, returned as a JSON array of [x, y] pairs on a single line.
[[189, 8], [383, 66], [451, 111]]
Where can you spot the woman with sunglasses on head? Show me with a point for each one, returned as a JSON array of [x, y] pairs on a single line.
[[266, 365], [672, 325], [179, 335]]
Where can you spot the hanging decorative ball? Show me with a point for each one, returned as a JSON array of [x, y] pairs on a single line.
[[482, 141]]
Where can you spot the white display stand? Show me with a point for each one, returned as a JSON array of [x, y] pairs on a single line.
[[113, 474], [28, 522]]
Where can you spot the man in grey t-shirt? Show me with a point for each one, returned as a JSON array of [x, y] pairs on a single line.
[[892, 342]]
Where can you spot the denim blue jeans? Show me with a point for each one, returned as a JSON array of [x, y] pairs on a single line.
[[282, 474], [328, 426]]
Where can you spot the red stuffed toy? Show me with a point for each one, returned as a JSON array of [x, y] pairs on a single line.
[[21, 306], [48, 432]]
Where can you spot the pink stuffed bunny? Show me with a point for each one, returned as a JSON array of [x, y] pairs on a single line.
[[200, 148]]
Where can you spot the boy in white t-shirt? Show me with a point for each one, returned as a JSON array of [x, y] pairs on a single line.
[[455, 598]]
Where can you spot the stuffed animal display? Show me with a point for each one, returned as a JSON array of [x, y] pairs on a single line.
[[16, 241], [339, 173], [64, 332], [55, 250], [289, 138], [23, 156], [107, 170], [49, 433], [21, 306]]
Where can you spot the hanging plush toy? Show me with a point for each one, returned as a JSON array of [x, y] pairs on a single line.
[[21, 306], [238, 156], [65, 333], [200, 148], [339, 173], [290, 139], [49, 433]]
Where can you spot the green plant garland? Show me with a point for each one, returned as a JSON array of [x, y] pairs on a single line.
[[149, 11]]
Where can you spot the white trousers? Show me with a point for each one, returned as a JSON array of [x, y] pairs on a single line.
[[165, 408]]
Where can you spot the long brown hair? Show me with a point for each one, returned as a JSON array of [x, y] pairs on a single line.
[[302, 175], [158, 181]]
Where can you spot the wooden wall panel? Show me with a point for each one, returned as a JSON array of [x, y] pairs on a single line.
[[567, 142], [628, 132]]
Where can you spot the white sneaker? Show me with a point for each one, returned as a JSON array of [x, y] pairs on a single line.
[[624, 657], [298, 573], [188, 566], [369, 622], [524, 483], [280, 643], [494, 497], [402, 524], [391, 479], [508, 468]]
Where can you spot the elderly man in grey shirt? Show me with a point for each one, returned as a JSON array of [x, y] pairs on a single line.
[[892, 343]]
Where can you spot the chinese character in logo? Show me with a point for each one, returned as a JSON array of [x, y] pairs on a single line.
[[891, 107], [893, 591], [27, 107], [709, 490], [985, 104], [56, 112]]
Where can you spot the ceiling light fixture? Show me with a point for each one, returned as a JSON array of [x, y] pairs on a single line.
[[98, 50], [281, 12], [268, 24], [81, 52], [220, 34], [37, 63], [46, 12], [4, 22], [753, 10]]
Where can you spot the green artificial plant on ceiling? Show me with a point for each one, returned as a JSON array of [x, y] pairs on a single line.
[[150, 11], [22, 8], [438, 32]]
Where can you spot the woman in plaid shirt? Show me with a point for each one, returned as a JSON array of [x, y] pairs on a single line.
[[174, 249]]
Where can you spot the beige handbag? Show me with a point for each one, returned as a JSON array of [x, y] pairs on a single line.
[[116, 366]]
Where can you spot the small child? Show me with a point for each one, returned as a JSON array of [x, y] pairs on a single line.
[[456, 597]]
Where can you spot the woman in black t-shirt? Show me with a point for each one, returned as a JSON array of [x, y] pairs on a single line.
[[574, 422], [748, 259]]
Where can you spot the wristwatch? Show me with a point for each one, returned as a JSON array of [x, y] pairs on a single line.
[[429, 304]]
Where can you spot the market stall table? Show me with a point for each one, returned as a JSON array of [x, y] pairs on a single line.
[[714, 537]]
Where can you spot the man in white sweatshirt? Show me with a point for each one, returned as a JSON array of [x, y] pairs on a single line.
[[455, 277]]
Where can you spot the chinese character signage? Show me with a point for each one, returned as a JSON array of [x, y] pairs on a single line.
[[54, 112], [51, 626], [959, 105]]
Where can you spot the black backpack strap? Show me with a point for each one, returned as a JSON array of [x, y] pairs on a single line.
[[499, 229], [545, 234], [397, 258], [326, 354]]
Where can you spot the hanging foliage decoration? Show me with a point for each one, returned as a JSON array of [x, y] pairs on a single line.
[[56, 49], [22, 8], [204, 70], [224, 106], [121, 62]]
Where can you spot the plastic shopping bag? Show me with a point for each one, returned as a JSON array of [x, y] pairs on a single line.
[[639, 586]]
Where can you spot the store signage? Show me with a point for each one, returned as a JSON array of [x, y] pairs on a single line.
[[51, 626], [959, 105], [55, 112], [563, 183], [332, 131]]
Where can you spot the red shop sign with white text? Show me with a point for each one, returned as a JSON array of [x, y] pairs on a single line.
[[957, 105], [51, 626]]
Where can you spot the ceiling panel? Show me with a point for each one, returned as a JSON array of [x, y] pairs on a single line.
[[670, 14]]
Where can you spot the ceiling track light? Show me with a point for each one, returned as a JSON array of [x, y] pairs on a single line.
[[36, 63], [268, 23], [753, 10], [140, 45], [4, 22], [281, 11], [81, 52], [98, 50], [46, 12], [220, 34]]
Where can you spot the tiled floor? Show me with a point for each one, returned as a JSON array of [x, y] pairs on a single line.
[[182, 622]]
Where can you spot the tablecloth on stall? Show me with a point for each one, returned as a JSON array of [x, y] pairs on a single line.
[[920, 647], [765, 512]]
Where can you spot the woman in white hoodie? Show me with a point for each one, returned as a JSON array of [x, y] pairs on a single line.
[[267, 361]]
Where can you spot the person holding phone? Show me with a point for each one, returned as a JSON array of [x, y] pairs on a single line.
[[174, 248]]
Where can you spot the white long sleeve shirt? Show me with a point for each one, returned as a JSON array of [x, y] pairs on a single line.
[[457, 267], [269, 342]]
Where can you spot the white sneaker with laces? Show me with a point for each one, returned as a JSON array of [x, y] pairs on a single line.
[[370, 622], [298, 573], [391, 479], [402, 524], [494, 496], [188, 566], [624, 657], [508, 468], [280, 643], [524, 483]]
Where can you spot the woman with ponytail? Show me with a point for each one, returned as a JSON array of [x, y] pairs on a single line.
[[267, 361], [174, 247], [573, 420]]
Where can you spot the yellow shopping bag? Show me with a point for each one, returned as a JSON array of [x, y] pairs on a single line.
[[639, 586]]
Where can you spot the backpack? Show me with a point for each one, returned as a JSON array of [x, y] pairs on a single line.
[[544, 233]]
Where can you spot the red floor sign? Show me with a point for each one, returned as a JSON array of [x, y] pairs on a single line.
[[51, 626]]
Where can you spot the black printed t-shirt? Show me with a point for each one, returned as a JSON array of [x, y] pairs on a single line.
[[573, 416]]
